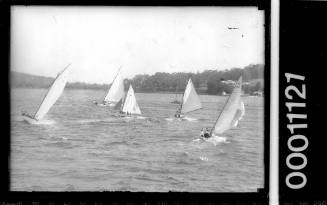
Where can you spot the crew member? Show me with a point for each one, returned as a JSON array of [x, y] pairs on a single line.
[[206, 133], [27, 115], [178, 112]]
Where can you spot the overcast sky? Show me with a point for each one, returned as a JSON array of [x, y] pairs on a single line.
[[143, 40]]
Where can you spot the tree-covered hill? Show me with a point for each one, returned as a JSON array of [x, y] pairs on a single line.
[[206, 82], [23, 80]]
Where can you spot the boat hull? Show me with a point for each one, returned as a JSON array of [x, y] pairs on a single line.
[[175, 102], [30, 120], [33, 121], [105, 104]]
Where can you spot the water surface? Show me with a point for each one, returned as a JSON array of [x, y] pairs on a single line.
[[86, 148]]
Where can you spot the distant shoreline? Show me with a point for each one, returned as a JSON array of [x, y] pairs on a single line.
[[208, 82], [104, 89], [145, 92]]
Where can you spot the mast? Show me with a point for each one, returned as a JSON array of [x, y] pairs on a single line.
[[177, 86], [181, 104]]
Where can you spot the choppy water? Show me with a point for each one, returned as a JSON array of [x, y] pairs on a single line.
[[85, 148]]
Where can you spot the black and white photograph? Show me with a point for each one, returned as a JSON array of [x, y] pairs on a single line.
[[139, 99]]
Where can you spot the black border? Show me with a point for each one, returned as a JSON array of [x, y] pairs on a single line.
[[260, 197], [303, 51]]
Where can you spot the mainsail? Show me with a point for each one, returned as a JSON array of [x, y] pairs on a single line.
[[191, 100], [130, 105], [232, 112], [53, 94], [116, 91], [119, 105]]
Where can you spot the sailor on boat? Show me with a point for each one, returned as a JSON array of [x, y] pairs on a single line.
[[205, 133], [27, 115], [178, 112], [202, 132]]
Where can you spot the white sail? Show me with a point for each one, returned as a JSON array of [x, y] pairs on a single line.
[[120, 103], [130, 105], [191, 100], [232, 112], [239, 114], [116, 91], [53, 94]]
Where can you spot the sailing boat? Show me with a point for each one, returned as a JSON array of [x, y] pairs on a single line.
[[115, 92], [232, 112], [191, 100], [50, 99], [129, 106]]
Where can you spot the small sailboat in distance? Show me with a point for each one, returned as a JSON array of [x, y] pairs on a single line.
[[50, 99], [129, 106], [190, 102], [232, 112], [115, 92]]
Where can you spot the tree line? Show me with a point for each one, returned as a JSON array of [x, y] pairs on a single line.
[[206, 82]]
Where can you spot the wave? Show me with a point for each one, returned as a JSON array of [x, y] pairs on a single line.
[[141, 117], [190, 119], [69, 187], [44, 122], [153, 120], [215, 140], [145, 177], [129, 118], [203, 158], [190, 157], [117, 143], [61, 144], [169, 119], [80, 140], [19, 118], [85, 121]]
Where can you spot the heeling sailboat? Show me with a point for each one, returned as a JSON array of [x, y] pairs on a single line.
[[115, 92], [232, 112], [129, 106], [51, 97], [190, 102]]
